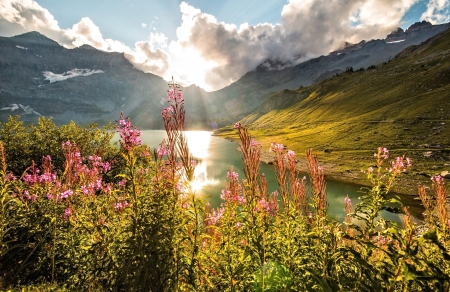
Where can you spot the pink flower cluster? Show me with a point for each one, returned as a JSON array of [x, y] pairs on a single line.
[[10, 177], [383, 153], [163, 150], [215, 216], [129, 134], [290, 155], [237, 125], [167, 112], [35, 178], [119, 206], [268, 206], [48, 176], [400, 164], [231, 175], [228, 196], [254, 143], [66, 214], [275, 147], [439, 180], [66, 194], [175, 95]]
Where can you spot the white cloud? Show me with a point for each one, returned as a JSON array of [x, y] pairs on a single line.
[[54, 77], [213, 54], [308, 28], [20, 16], [438, 11], [144, 25], [158, 39], [86, 32], [148, 59]]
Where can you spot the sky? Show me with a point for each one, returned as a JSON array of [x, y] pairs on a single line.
[[212, 43]]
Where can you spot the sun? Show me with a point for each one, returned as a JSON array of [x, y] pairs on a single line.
[[189, 67]]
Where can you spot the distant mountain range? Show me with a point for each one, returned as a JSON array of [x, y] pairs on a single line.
[[40, 77]]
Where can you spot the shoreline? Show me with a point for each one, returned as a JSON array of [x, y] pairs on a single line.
[[405, 186]]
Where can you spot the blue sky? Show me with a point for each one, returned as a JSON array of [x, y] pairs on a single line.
[[212, 43], [123, 19]]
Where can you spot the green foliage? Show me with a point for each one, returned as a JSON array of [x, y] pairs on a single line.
[[27, 143], [75, 229]]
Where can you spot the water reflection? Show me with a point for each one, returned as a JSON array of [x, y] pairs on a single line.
[[199, 143], [217, 155]]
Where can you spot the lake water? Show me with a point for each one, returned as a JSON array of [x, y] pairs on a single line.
[[217, 155]]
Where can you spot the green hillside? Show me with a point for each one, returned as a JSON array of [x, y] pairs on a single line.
[[403, 105]]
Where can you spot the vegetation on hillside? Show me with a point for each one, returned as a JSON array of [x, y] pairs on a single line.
[[67, 227], [403, 104]]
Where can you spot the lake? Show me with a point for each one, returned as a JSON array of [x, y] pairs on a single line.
[[217, 155]]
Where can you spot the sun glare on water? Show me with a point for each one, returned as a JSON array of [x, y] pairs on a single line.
[[199, 143]]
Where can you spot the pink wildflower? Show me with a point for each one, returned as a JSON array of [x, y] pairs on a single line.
[[66, 194], [275, 147], [232, 175], [129, 134], [167, 112], [215, 217], [66, 214]]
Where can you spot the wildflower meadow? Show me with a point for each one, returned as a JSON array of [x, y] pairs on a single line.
[[78, 213]]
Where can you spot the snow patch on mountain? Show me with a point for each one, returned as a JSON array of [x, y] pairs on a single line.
[[54, 77], [20, 47], [394, 42], [27, 109], [11, 107]]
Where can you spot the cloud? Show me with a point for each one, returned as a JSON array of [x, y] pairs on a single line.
[[144, 25], [158, 39], [148, 59], [308, 28], [438, 11], [20, 16], [54, 77], [213, 54]]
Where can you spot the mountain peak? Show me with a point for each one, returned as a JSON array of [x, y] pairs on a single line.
[[86, 47], [396, 35], [418, 26], [34, 37]]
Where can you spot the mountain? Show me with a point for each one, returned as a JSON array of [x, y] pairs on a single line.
[[40, 77], [253, 88], [403, 105]]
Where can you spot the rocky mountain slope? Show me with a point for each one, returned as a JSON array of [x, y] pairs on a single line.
[[40, 77], [254, 87], [403, 105]]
